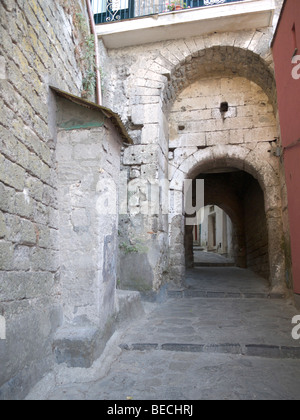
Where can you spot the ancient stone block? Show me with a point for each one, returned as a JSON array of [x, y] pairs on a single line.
[[3, 229], [145, 114], [150, 134], [140, 154], [79, 346], [6, 256]]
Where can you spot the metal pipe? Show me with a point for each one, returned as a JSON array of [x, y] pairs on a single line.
[[97, 63]]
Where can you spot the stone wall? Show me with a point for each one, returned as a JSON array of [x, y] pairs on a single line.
[[196, 119], [88, 179], [88, 168], [39, 40]]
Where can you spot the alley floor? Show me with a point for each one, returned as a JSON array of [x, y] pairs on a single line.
[[223, 336]]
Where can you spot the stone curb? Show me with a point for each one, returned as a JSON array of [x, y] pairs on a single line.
[[253, 350], [217, 265], [180, 294]]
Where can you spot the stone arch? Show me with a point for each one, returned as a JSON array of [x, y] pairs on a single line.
[[245, 159], [251, 162], [221, 60], [159, 75]]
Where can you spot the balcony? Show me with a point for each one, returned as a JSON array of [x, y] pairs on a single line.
[[116, 10], [124, 23]]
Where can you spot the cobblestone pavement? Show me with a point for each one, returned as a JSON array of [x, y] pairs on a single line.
[[226, 337]]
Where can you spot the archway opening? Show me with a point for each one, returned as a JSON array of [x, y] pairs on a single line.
[[234, 197]]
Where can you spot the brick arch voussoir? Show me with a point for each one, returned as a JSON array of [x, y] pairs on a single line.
[[228, 156], [219, 60]]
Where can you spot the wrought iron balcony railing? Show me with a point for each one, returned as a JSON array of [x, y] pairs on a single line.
[[116, 10]]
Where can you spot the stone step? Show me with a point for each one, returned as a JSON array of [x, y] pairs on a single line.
[[253, 350], [213, 264], [194, 293], [80, 345]]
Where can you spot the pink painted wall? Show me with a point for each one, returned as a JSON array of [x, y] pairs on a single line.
[[285, 44]]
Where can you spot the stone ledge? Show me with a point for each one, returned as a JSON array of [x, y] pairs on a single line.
[[251, 350], [80, 345]]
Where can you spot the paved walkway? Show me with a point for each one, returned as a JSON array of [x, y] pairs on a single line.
[[210, 258], [223, 337]]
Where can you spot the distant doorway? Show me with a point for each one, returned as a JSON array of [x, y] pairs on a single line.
[[214, 233]]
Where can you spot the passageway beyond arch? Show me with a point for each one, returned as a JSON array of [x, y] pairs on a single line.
[[241, 197]]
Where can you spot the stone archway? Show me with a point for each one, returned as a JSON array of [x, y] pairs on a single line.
[[253, 162], [155, 79], [240, 196]]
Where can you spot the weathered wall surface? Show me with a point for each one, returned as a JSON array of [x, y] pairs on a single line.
[[88, 175], [197, 121], [286, 40], [88, 181], [256, 231], [38, 48]]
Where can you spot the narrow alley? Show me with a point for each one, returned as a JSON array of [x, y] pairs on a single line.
[[223, 336], [149, 200]]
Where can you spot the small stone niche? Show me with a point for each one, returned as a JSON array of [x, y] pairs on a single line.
[[224, 107]]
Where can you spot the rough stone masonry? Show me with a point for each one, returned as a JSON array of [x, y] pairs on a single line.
[[58, 248], [37, 49]]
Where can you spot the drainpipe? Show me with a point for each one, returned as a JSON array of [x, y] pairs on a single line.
[[98, 76]]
